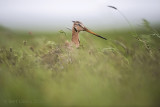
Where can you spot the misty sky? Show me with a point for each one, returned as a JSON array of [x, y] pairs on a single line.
[[58, 14]]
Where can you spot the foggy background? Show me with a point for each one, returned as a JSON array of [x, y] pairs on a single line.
[[58, 14]]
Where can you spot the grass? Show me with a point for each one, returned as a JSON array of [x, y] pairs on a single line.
[[37, 69]]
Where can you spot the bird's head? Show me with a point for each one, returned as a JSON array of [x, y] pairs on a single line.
[[78, 26]]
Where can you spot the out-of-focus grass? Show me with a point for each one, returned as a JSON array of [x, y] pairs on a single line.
[[37, 69]]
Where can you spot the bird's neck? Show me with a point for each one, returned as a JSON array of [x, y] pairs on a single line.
[[75, 37]]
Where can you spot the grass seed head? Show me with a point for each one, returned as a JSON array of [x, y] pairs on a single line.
[[31, 48], [113, 7], [10, 49], [24, 43]]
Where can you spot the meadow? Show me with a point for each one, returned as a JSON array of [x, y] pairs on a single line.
[[37, 69]]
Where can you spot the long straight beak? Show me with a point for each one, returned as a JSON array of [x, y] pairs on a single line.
[[95, 34]]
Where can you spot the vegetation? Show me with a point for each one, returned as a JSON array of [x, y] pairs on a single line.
[[36, 68]]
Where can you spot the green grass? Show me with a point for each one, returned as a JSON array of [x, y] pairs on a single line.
[[37, 69]]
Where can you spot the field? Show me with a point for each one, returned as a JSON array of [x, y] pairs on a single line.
[[37, 69]]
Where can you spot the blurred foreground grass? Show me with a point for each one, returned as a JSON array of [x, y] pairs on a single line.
[[37, 69]]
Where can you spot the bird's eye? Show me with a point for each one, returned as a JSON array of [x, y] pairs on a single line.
[[80, 25]]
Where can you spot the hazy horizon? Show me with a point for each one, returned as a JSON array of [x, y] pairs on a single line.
[[58, 14]]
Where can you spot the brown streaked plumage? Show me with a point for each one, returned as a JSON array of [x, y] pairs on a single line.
[[77, 27]]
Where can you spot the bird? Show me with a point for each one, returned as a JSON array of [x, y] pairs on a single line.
[[77, 27]]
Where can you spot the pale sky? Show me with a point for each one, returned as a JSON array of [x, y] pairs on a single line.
[[58, 14]]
